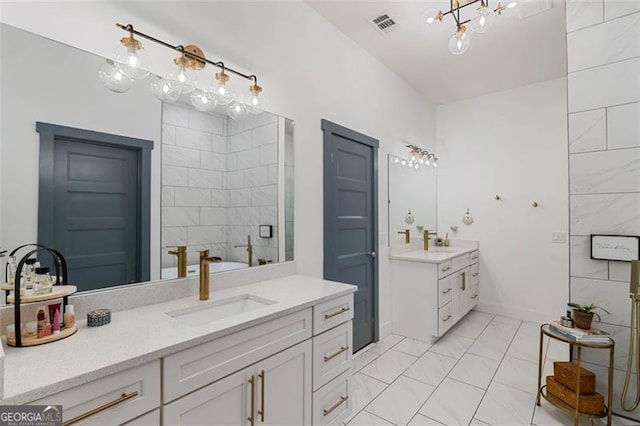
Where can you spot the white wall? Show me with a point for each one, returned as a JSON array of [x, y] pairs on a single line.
[[512, 144], [603, 48], [308, 69], [49, 82]]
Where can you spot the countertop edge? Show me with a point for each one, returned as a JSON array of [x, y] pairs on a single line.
[[446, 257], [77, 380]]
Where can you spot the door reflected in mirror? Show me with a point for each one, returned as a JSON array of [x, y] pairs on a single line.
[[412, 201]]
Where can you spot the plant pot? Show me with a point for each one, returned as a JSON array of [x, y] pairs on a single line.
[[582, 319]]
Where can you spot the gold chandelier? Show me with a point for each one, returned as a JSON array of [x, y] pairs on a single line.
[[479, 23], [130, 63]]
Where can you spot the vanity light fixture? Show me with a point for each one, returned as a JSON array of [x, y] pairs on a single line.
[[483, 20], [130, 63]]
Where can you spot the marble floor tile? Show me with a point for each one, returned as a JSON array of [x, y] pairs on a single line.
[[474, 370], [401, 400], [506, 320], [468, 328], [364, 418], [385, 344], [490, 346], [518, 374], [364, 390], [526, 343], [420, 420], [479, 317], [476, 422], [453, 403], [388, 366], [431, 368], [362, 359], [412, 347], [504, 405], [452, 346]]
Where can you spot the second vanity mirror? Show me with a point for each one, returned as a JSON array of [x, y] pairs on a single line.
[[412, 200], [213, 181]]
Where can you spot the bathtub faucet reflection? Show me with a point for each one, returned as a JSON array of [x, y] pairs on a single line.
[[249, 247]]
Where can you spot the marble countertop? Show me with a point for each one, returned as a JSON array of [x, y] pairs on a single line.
[[433, 255], [140, 335]]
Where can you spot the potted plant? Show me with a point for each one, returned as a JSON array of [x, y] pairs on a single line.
[[583, 314]]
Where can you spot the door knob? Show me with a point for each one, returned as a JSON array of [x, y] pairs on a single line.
[[372, 254]]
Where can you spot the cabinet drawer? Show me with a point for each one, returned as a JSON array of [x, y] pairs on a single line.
[[141, 383], [473, 296], [445, 319], [474, 257], [444, 269], [444, 291], [475, 274], [459, 262], [332, 353], [149, 419], [332, 403], [196, 367], [331, 313]]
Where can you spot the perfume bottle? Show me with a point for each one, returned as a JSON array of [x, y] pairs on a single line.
[[42, 283]]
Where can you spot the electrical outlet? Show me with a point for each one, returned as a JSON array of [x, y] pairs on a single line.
[[558, 237]]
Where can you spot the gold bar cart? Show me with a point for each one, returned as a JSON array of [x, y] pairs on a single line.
[[546, 330]]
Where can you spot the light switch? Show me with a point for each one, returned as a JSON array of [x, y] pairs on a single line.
[[558, 237]]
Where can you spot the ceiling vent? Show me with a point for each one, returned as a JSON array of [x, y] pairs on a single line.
[[384, 22]]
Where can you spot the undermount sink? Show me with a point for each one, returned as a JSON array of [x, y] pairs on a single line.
[[219, 309]]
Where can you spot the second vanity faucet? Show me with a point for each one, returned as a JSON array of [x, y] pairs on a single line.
[[205, 259], [407, 235], [249, 247], [181, 253], [426, 234]]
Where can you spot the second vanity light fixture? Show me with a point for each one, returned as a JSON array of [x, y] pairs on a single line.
[[417, 157], [130, 63], [483, 20]]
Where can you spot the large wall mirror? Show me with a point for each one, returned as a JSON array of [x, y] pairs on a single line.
[[412, 200], [214, 181]]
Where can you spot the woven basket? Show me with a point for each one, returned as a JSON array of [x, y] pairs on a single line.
[[565, 373], [588, 404]]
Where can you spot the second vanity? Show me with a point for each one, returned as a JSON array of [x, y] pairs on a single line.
[[273, 352], [432, 290]]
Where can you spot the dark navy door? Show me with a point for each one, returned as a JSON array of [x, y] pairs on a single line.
[[93, 205], [350, 222]]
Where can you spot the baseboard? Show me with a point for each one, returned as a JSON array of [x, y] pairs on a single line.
[[516, 313], [385, 330]]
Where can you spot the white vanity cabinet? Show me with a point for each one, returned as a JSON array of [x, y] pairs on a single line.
[[429, 297]]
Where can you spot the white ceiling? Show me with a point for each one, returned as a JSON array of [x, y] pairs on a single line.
[[514, 52]]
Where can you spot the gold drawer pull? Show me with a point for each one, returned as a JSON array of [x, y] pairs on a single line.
[[251, 418], [330, 357], [475, 274], [328, 411], [447, 318], [474, 296], [261, 376], [446, 291], [341, 311], [124, 397], [446, 268]]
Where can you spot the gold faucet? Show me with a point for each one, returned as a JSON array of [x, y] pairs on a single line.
[[181, 253], [205, 259], [249, 247], [425, 235], [407, 235]]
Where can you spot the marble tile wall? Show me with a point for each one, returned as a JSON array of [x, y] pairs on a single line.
[[194, 195], [603, 48], [252, 181]]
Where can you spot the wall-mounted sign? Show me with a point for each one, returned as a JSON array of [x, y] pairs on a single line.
[[615, 247]]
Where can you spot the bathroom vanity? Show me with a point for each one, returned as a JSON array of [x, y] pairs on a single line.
[[432, 290], [273, 352]]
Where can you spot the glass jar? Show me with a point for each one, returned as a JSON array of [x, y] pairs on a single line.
[[42, 283], [28, 272]]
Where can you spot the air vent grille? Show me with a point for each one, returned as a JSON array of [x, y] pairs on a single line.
[[384, 22]]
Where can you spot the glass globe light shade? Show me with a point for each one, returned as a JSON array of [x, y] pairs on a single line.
[[459, 42], [396, 160], [224, 94], [166, 89], [132, 61], [113, 78], [203, 100], [254, 102], [430, 16], [186, 79], [236, 110], [403, 162], [484, 20]]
